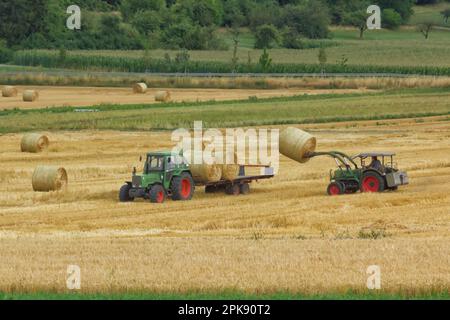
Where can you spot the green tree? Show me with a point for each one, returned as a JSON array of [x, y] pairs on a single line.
[[446, 15], [19, 19], [235, 33], [322, 56], [129, 8], [202, 12], [266, 36], [146, 22], [265, 61], [403, 7], [425, 28], [310, 19], [357, 19], [391, 19]]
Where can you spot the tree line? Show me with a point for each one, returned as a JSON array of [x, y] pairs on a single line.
[[188, 24]]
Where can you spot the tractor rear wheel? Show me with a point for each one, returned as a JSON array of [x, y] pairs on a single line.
[[124, 193], [372, 182], [157, 194], [183, 187], [233, 189], [335, 188]]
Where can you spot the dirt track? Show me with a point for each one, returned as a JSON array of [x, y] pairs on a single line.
[[89, 96], [286, 235]]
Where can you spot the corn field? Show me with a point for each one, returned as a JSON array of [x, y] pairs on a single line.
[[133, 64]]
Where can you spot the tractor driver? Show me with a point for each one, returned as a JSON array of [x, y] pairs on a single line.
[[376, 164]]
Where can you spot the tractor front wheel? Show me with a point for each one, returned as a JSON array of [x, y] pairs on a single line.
[[372, 182], [124, 193], [157, 194], [183, 187], [335, 188]]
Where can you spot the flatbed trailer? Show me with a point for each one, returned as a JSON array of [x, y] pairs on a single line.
[[240, 185]]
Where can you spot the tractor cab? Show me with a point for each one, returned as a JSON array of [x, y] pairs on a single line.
[[380, 161], [165, 174]]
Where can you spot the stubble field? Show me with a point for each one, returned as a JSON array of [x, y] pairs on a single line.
[[286, 236]]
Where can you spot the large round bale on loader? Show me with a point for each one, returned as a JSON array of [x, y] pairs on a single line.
[[203, 173], [9, 91], [30, 95], [49, 178], [34, 142], [140, 87], [162, 96], [296, 144]]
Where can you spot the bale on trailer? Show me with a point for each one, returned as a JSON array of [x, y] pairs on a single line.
[[9, 91], [34, 142], [162, 96], [49, 178], [203, 173], [140, 87], [30, 95], [230, 171], [296, 144]]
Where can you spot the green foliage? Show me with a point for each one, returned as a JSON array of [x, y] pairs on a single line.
[[6, 54], [266, 36], [265, 61], [403, 7], [358, 19], [21, 18], [310, 19], [130, 7], [205, 13], [322, 57], [446, 14], [130, 64], [391, 19], [147, 22]]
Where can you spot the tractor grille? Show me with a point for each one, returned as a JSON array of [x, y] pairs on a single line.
[[136, 181]]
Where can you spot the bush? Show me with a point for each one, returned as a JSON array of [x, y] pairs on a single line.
[[391, 19], [266, 36]]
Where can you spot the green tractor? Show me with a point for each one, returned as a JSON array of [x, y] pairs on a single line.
[[165, 174], [377, 176]]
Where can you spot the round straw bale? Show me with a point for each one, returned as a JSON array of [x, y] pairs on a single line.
[[30, 95], [9, 91], [49, 178], [34, 142], [206, 172], [139, 87], [162, 96], [296, 144]]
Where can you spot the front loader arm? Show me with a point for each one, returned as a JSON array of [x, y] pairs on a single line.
[[337, 155]]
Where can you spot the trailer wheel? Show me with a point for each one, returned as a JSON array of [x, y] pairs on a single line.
[[183, 187], [124, 193], [157, 194], [233, 189], [372, 182], [245, 188], [335, 188]]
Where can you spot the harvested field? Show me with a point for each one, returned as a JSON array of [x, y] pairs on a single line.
[[87, 96], [287, 235]]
